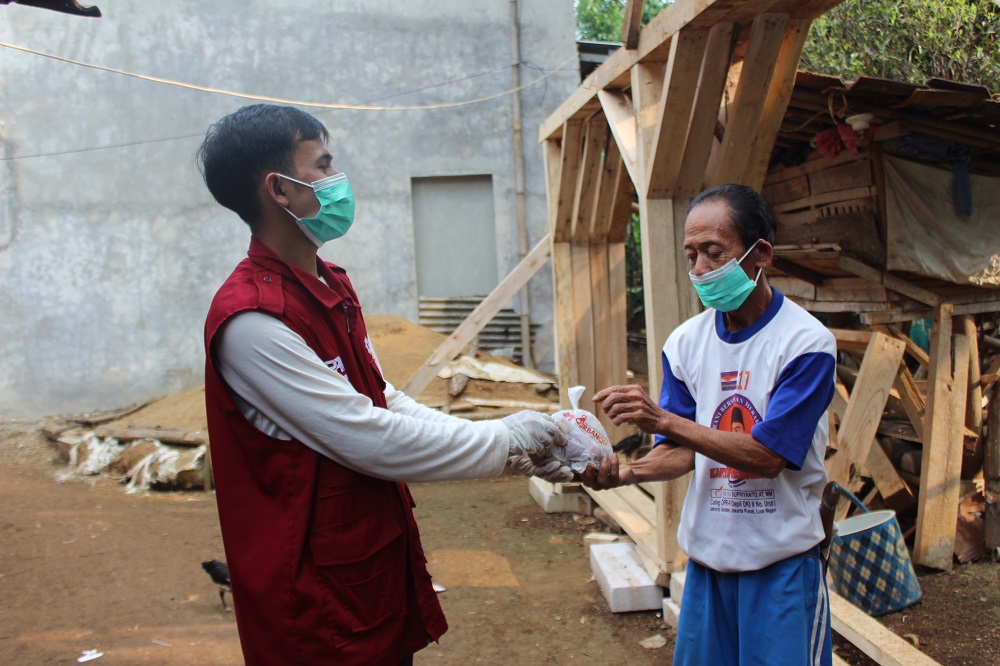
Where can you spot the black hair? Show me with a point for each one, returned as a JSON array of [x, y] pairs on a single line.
[[737, 416], [749, 214], [248, 143]]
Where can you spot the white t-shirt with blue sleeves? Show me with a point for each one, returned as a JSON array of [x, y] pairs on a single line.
[[773, 380]]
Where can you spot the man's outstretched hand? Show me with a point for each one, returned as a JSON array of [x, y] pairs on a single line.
[[611, 474], [550, 469], [532, 438], [533, 434], [630, 404]]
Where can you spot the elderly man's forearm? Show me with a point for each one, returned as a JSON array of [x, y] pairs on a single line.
[[737, 450]]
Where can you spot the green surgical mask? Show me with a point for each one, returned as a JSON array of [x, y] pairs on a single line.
[[336, 209], [725, 289]]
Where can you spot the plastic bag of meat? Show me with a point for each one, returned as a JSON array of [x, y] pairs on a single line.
[[586, 440]]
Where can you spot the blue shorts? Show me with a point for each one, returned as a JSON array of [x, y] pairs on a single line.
[[777, 616]]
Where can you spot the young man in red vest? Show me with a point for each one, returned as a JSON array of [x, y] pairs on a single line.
[[311, 447]]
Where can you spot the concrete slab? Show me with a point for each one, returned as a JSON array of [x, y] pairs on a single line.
[[671, 612], [677, 586], [594, 538], [544, 494], [622, 578]]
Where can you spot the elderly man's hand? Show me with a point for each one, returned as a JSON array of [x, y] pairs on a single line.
[[611, 474], [630, 404]]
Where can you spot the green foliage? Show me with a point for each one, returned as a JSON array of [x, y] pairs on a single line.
[[635, 300], [908, 40], [601, 20]]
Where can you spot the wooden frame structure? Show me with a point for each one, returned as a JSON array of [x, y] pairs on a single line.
[[698, 102], [699, 97]]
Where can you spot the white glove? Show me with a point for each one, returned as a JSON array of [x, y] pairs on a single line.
[[532, 433], [550, 469]]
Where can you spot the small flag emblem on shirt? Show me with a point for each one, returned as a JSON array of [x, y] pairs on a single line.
[[729, 380]]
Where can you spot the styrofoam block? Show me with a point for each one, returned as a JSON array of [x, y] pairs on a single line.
[[544, 494], [622, 578], [677, 586], [671, 612], [595, 538]]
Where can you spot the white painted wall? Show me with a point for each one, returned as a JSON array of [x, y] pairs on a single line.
[[110, 245]]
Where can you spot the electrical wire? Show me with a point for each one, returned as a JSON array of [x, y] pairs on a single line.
[[329, 108], [282, 100]]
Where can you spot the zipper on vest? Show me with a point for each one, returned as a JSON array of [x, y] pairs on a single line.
[[347, 318]]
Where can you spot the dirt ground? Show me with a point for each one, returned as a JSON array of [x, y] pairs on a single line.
[[83, 565]]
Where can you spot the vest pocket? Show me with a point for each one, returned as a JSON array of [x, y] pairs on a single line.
[[363, 566]]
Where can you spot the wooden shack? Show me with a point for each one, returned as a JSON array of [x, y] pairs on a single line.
[[709, 93]]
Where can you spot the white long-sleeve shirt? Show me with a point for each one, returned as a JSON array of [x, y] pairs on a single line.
[[286, 391]]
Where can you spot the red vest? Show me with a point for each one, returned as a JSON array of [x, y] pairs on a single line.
[[326, 564]]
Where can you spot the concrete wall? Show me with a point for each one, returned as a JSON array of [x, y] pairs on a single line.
[[111, 247]]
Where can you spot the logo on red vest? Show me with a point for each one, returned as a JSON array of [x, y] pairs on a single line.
[[338, 365], [371, 352]]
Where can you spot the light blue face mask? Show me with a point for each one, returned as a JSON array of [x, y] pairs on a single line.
[[336, 209], [726, 288]]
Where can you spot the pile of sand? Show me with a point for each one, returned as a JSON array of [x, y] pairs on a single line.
[[402, 348]]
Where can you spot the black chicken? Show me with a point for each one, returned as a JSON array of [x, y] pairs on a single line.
[[219, 573]]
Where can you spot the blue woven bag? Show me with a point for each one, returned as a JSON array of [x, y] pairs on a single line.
[[869, 563]]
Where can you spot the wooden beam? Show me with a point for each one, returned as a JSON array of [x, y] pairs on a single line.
[[600, 292], [604, 207], [647, 95], [778, 95], [571, 150], [552, 154], [480, 317], [864, 410], [745, 115], [912, 400], [698, 14], [588, 181], [718, 55], [798, 272], [583, 316], [894, 490], [631, 22], [852, 340], [618, 321], [941, 459], [974, 405], [687, 52], [621, 208], [895, 316], [912, 348], [565, 322], [991, 474], [662, 299], [618, 110], [888, 280], [871, 637], [891, 486]]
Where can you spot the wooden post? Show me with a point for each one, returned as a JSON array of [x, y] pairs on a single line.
[[991, 473], [973, 453], [565, 324], [747, 108], [857, 430], [631, 22], [944, 428]]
